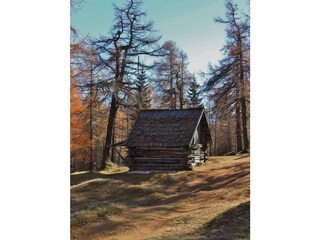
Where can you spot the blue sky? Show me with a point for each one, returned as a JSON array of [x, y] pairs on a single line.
[[187, 22]]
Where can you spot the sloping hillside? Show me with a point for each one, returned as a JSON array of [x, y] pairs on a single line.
[[211, 202]]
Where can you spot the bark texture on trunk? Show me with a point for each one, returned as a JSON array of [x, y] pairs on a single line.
[[244, 124], [109, 134], [242, 99], [91, 119], [238, 129]]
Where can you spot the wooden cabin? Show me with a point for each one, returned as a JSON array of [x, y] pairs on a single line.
[[168, 140]]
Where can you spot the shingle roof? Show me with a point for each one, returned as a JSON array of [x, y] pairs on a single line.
[[165, 128]]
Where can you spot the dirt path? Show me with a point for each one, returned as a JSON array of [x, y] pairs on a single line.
[[183, 205]]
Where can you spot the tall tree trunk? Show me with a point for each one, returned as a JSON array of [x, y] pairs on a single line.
[[171, 93], [181, 85], [113, 155], [91, 120], [229, 135], [243, 100], [127, 118], [180, 89], [238, 129], [109, 134], [181, 101], [215, 139], [244, 124], [172, 98]]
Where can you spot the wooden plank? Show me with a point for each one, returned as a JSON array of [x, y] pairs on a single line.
[[162, 148], [160, 165], [161, 169], [160, 154], [157, 159], [159, 162]]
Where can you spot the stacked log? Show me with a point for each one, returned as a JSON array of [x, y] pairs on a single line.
[[165, 159], [197, 155]]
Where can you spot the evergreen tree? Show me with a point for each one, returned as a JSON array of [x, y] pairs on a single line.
[[194, 94], [142, 88]]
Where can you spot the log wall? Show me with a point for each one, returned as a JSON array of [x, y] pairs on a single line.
[[165, 159]]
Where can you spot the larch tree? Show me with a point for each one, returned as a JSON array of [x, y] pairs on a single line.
[[79, 136], [164, 74], [230, 79], [88, 74], [183, 77], [94, 94], [171, 76], [131, 36]]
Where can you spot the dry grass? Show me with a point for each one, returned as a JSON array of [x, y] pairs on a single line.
[[211, 202]]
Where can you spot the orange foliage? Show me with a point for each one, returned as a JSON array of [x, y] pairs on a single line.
[[79, 136]]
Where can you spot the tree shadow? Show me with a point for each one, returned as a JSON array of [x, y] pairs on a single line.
[[229, 225], [164, 184], [241, 157], [214, 183], [235, 166], [232, 224], [139, 178]]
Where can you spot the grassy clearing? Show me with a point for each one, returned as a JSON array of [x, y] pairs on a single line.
[[211, 202], [95, 214]]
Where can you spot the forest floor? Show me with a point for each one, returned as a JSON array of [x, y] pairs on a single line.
[[210, 202]]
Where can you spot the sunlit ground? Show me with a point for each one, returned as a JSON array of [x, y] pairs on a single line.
[[211, 202]]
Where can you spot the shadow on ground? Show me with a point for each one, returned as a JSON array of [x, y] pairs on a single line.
[[153, 196], [154, 188], [232, 224]]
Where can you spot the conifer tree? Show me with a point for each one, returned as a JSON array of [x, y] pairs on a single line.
[[142, 88], [194, 94]]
